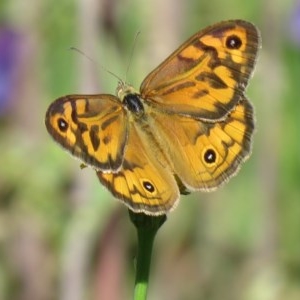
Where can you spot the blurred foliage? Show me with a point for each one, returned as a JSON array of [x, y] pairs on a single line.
[[63, 236]]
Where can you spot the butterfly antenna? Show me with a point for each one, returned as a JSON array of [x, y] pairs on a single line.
[[82, 53], [131, 54]]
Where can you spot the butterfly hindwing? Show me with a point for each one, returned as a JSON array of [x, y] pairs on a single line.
[[145, 182], [206, 154]]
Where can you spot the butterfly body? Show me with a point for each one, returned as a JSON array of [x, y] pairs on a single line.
[[189, 128]]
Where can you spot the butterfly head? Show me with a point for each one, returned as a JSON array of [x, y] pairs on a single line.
[[124, 89], [130, 99]]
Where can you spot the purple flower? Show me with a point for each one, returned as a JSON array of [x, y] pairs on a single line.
[[295, 24], [8, 62]]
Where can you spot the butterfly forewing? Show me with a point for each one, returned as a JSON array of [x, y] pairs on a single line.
[[206, 77], [93, 128]]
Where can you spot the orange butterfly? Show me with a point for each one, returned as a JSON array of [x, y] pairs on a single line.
[[189, 128]]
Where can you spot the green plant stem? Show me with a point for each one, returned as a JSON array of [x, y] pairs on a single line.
[[147, 227]]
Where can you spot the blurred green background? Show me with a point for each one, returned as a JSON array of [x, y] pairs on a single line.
[[63, 236]]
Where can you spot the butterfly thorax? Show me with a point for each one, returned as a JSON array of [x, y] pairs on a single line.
[[130, 99]]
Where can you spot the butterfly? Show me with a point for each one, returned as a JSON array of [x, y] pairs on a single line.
[[189, 127]]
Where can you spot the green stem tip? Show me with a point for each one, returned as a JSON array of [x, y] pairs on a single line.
[[147, 227]]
